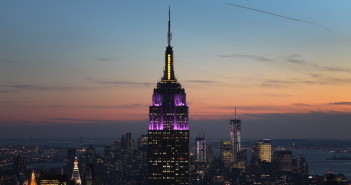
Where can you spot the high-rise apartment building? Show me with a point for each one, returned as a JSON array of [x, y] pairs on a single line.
[[168, 134]]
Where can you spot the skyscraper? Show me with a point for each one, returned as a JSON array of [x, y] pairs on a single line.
[[33, 181], [225, 149], [75, 174], [263, 150], [235, 128], [201, 149], [168, 134], [283, 161]]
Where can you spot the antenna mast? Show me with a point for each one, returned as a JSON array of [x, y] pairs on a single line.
[[169, 27]]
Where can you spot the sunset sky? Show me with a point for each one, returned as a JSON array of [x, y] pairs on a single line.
[[83, 63]]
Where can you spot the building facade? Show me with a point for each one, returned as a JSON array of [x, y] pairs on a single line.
[[235, 129], [201, 149], [225, 150], [263, 150], [168, 133]]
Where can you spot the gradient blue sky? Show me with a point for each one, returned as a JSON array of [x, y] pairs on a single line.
[[90, 62]]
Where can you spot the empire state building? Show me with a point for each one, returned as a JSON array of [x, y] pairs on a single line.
[[168, 134]]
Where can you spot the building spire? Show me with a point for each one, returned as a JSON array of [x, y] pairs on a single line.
[[169, 26], [235, 116], [169, 71]]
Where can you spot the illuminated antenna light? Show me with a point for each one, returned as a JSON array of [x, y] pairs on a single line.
[[169, 66]]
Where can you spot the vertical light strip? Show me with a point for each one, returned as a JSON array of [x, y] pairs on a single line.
[[169, 66]]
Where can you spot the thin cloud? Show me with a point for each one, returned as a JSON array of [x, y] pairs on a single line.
[[329, 68], [251, 57], [32, 87], [330, 80], [302, 104], [246, 108], [123, 82], [200, 81], [276, 83], [318, 80], [276, 95], [339, 103], [296, 59], [81, 120], [95, 106]]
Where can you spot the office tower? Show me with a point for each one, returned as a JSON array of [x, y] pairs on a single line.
[[75, 174], [262, 150], [201, 149], [235, 128], [33, 181], [283, 161], [168, 134], [53, 179], [225, 152]]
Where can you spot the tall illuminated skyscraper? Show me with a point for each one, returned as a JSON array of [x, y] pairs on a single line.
[[235, 128], [75, 173], [168, 134]]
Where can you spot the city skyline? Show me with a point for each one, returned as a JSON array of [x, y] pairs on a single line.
[[74, 64]]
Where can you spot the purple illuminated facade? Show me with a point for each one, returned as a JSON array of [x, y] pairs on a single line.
[[168, 134], [168, 110]]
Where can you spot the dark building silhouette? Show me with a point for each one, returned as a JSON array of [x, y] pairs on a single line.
[[209, 153], [283, 161], [20, 165], [168, 134], [71, 155]]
